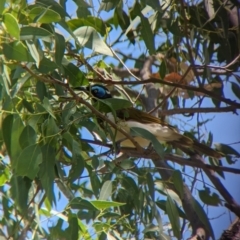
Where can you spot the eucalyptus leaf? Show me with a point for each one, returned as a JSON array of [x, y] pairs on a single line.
[[89, 38]]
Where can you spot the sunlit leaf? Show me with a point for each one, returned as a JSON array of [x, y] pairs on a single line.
[[99, 204], [88, 37], [11, 24], [106, 190]]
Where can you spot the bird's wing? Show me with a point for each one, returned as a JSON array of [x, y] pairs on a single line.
[[140, 116]]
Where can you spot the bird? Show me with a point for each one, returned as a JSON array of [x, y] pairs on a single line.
[[128, 118]]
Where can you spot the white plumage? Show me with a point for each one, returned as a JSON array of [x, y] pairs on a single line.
[[162, 133]]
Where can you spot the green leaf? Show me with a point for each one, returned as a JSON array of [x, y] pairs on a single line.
[[101, 205], [89, 38], [163, 70], [172, 212], [112, 104], [77, 167], [6, 131], [95, 182], [73, 228], [78, 161], [178, 182], [208, 198], [47, 172], [82, 10], [46, 104], [27, 137], [154, 4], [162, 204], [19, 84], [34, 52], [47, 66], [148, 135], [4, 176], [44, 15], [203, 217], [151, 187], [20, 191], [236, 89], [106, 190], [130, 185], [147, 35], [41, 90], [108, 5], [75, 75], [12, 127], [55, 6], [35, 33], [16, 51], [4, 77], [79, 203], [28, 161], [2, 6], [117, 103], [226, 149], [59, 49], [68, 111], [11, 25], [91, 21]]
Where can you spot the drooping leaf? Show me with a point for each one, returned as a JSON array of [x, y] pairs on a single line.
[[73, 227], [151, 187], [19, 190], [41, 90], [172, 212], [236, 89], [47, 172], [147, 35], [34, 52], [60, 48], [7, 125], [178, 182]]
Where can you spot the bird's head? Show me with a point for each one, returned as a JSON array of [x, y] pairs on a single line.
[[97, 90]]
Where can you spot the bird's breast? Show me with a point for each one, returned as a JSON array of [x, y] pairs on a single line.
[[162, 133]]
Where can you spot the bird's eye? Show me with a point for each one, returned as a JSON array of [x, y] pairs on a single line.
[[95, 91]]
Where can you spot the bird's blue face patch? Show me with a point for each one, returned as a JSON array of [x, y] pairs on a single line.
[[100, 92]]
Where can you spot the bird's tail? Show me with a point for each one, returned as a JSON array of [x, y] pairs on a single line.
[[191, 146]]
